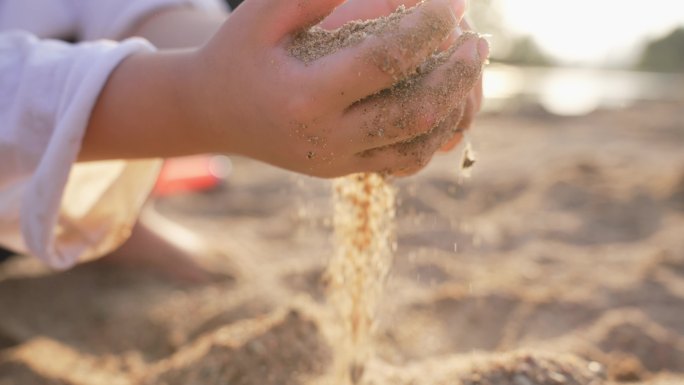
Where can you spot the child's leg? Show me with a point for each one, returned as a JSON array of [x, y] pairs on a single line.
[[147, 250]]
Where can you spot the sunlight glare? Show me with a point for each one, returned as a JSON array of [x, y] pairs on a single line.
[[585, 31]]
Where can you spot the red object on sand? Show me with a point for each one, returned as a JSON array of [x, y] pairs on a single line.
[[192, 174]]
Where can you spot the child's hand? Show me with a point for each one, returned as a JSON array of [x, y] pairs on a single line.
[[259, 101], [244, 93], [370, 9]]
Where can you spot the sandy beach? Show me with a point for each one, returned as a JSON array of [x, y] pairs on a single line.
[[561, 261]]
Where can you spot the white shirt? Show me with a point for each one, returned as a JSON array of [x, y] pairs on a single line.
[[51, 208]]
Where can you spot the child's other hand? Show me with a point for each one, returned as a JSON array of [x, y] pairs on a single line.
[[370, 9], [257, 100]]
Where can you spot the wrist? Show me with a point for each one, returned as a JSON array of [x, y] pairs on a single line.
[[211, 103], [143, 111], [186, 98]]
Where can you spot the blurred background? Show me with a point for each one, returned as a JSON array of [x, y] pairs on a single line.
[[568, 238], [572, 57]]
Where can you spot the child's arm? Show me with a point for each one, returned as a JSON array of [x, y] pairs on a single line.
[[48, 90], [240, 93], [48, 208], [178, 27], [243, 93]]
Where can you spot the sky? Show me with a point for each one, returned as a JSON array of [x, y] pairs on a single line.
[[592, 31]]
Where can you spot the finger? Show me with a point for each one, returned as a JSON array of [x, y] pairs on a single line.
[[399, 159], [465, 25], [279, 18], [473, 106], [370, 9], [459, 129], [479, 94], [462, 27], [415, 106], [408, 157], [390, 52], [469, 112]]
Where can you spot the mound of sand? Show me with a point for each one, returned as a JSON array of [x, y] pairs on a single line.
[[556, 264], [286, 347]]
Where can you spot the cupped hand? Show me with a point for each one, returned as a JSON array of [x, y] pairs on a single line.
[[370, 9], [322, 118]]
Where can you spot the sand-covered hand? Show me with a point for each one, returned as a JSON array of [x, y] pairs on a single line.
[[373, 95]]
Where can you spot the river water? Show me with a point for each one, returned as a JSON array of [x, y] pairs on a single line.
[[576, 91]]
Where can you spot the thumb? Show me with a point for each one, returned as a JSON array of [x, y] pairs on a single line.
[[283, 17]]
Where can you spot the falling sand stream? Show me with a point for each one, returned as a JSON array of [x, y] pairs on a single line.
[[364, 233], [364, 213], [365, 203]]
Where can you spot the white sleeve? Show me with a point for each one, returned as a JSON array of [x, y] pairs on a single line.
[[49, 208], [86, 19]]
